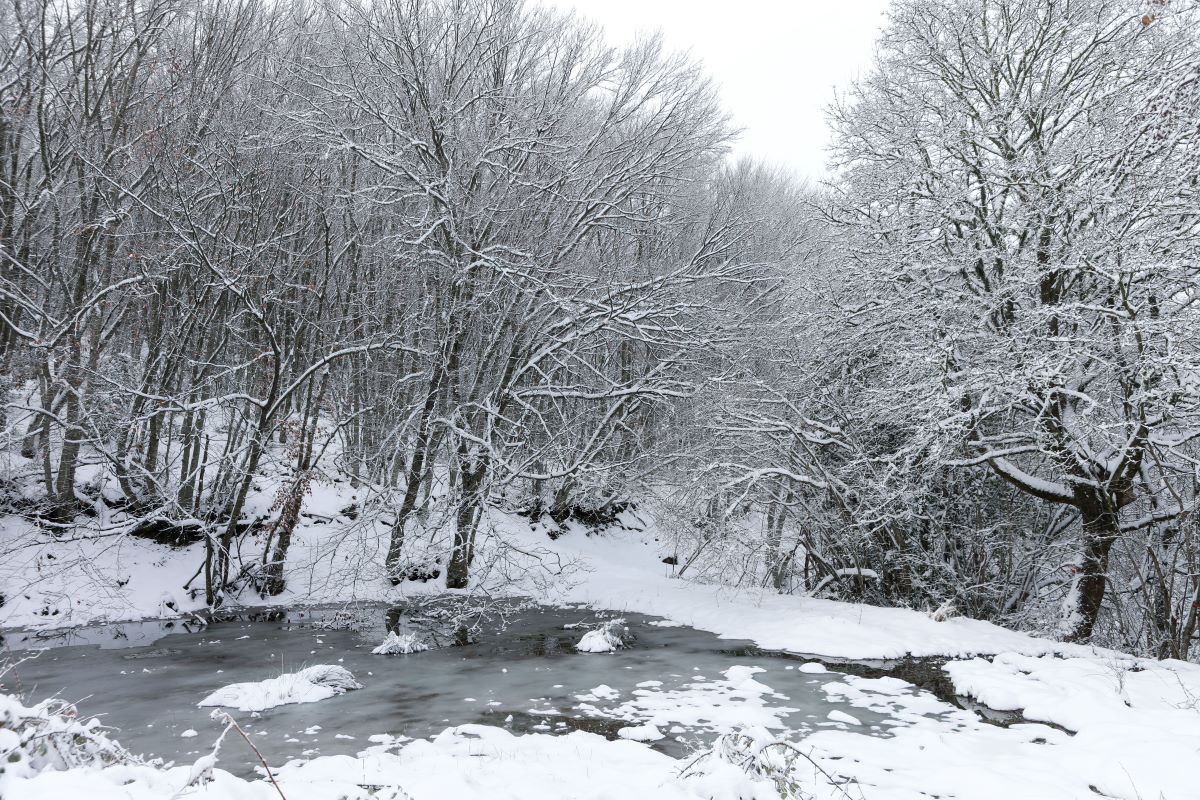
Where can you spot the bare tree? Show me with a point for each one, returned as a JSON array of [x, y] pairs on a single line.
[[1017, 180]]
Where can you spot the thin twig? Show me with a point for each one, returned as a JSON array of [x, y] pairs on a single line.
[[270, 776]]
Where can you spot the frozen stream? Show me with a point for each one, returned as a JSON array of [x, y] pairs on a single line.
[[145, 679]]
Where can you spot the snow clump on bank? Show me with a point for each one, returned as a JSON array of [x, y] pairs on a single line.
[[641, 733], [309, 685], [400, 644], [609, 637]]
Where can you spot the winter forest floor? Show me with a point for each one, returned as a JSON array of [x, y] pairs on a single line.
[[1089, 722]]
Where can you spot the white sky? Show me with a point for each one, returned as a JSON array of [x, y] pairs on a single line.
[[777, 61]]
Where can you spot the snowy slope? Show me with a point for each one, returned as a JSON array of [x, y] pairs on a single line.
[[624, 573], [53, 583]]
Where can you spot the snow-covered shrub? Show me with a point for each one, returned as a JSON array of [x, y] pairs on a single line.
[[400, 644], [595, 501], [706, 544], [345, 619], [758, 754], [49, 736], [306, 686], [10, 493], [337, 678], [610, 636], [943, 612]]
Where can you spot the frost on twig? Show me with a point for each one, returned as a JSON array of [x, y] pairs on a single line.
[[49, 736], [763, 757]]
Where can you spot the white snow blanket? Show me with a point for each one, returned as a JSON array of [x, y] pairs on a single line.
[[469, 762], [309, 685]]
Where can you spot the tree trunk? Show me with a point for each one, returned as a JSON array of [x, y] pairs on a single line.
[[416, 471], [69, 455], [190, 462], [775, 517], [223, 554], [29, 443], [150, 460], [186, 442], [1101, 527], [466, 519], [289, 515]]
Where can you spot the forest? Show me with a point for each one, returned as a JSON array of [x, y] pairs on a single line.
[[464, 255], [457, 322]]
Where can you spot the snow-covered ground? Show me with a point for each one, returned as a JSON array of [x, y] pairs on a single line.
[[52, 583], [1101, 724], [467, 761], [625, 573]]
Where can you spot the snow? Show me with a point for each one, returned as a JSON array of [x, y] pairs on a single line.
[[601, 692], [1136, 722], [609, 637], [201, 770], [1147, 749], [641, 733], [1094, 718], [400, 644], [476, 761], [467, 762], [80, 579], [722, 706], [309, 685], [850, 572], [596, 642], [48, 737], [621, 573]]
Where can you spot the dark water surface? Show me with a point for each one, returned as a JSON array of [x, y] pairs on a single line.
[[144, 680]]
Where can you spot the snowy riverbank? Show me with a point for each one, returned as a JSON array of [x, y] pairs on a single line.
[[88, 578], [1099, 723]]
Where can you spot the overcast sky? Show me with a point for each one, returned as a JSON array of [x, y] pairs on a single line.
[[777, 61]]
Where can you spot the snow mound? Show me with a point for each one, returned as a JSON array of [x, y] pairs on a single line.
[[309, 685], [608, 638], [400, 644], [641, 733], [842, 716], [601, 692]]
